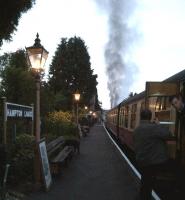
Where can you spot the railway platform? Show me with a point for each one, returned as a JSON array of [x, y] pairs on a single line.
[[100, 172]]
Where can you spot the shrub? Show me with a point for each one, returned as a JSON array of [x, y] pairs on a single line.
[[59, 123], [21, 155]]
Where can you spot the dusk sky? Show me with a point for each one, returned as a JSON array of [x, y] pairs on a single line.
[[157, 51]]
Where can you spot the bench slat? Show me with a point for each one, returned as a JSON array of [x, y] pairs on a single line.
[[62, 155], [55, 142], [54, 149]]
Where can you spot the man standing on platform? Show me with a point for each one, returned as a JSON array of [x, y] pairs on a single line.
[[151, 151], [178, 103]]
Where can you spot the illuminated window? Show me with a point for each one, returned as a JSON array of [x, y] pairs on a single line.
[[126, 116], [162, 104], [121, 117], [133, 116], [143, 105]]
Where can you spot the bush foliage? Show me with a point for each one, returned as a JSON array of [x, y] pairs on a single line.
[[59, 123], [21, 155]]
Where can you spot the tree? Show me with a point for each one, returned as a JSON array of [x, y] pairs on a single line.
[[17, 82], [70, 70], [10, 13]]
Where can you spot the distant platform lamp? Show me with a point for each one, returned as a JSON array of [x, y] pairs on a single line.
[[77, 99], [37, 56]]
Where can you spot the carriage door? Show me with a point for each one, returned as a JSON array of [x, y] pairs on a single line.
[[181, 131], [157, 100]]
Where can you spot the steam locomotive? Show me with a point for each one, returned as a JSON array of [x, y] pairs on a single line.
[[125, 117]]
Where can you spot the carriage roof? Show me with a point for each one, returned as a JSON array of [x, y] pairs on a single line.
[[177, 77]]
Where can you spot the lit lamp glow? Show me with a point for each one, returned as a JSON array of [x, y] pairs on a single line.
[[86, 107], [77, 96], [37, 55], [77, 99]]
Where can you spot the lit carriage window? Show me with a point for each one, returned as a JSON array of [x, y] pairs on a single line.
[[123, 122], [113, 117], [162, 106], [116, 116], [121, 117], [158, 104], [126, 116], [142, 105], [133, 116], [167, 103], [162, 103]]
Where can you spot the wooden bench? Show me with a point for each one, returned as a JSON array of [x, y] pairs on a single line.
[[58, 154], [62, 158]]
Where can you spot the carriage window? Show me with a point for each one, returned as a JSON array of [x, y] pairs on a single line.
[[113, 117], [120, 113], [133, 116], [143, 105], [126, 116], [122, 122], [116, 116], [121, 117], [162, 103]]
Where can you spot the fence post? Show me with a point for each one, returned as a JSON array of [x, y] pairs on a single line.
[[33, 120], [4, 121]]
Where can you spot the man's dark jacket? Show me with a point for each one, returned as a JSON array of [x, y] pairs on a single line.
[[181, 118], [149, 143]]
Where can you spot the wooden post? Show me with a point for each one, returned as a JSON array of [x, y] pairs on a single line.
[[37, 166], [4, 121], [37, 116], [32, 123], [77, 112]]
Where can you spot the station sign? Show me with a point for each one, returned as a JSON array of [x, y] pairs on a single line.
[[18, 111]]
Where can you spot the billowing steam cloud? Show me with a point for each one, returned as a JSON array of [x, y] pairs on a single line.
[[119, 70]]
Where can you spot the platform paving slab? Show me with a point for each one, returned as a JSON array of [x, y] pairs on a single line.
[[98, 173]]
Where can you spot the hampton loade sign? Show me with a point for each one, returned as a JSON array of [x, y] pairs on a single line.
[[18, 111], [15, 112]]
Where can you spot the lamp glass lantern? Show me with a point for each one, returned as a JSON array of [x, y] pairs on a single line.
[[77, 96], [37, 55]]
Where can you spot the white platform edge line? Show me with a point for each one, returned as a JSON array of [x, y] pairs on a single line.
[[156, 197]]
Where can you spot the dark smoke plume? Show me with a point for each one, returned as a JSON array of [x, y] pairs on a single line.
[[120, 72]]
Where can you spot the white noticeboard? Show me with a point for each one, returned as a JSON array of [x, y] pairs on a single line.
[[45, 164]]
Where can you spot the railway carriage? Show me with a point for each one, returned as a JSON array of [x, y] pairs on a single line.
[[124, 118]]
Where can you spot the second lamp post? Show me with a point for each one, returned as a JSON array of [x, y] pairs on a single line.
[[77, 99]]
